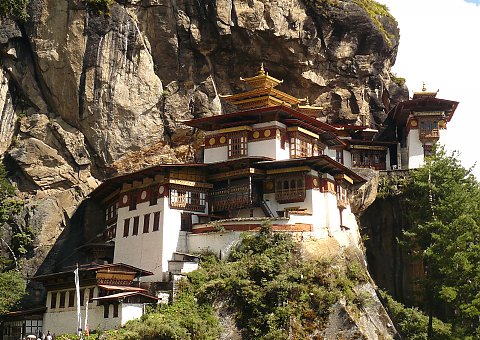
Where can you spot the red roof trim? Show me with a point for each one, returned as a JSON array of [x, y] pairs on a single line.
[[274, 109]]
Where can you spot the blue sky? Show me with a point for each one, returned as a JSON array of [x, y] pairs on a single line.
[[442, 50]]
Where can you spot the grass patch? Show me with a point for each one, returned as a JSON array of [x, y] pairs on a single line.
[[375, 10]]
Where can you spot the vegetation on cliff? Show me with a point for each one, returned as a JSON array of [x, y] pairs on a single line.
[[15, 9], [99, 6], [438, 209], [267, 285], [12, 284], [412, 323], [444, 209]]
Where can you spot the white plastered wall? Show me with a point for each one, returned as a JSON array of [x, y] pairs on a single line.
[[214, 155], [130, 311], [145, 249], [415, 149], [347, 158], [220, 243], [64, 320]]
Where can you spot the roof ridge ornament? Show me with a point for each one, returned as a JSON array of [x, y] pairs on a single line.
[[261, 72]]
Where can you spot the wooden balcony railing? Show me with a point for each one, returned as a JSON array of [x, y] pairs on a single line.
[[236, 197], [429, 134], [187, 206], [370, 165], [289, 196]]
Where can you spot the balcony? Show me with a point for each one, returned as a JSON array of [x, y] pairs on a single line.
[[370, 165], [429, 134], [235, 197], [290, 195], [183, 205]]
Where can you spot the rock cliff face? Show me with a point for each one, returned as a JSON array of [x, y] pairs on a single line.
[[82, 95]]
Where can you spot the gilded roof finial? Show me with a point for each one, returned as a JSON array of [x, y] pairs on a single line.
[[261, 72], [424, 88]]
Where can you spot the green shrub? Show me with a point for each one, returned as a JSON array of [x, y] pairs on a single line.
[[273, 289], [99, 7], [412, 323], [184, 319], [15, 9], [375, 10]]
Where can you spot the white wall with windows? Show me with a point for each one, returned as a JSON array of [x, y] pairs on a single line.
[[137, 245], [61, 314]]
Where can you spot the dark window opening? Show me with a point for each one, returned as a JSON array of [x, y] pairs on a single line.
[[237, 145], [154, 196], [146, 223], [106, 308], [186, 223], [133, 201], [62, 299], [53, 301], [126, 227], [71, 298], [290, 189], [115, 310], [82, 296], [156, 221], [136, 220]]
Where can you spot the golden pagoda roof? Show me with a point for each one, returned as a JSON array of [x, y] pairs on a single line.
[[262, 80], [309, 110], [424, 93], [262, 94]]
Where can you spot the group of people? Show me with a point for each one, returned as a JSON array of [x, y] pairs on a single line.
[[41, 336]]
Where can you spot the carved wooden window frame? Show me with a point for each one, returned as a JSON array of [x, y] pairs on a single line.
[[301, 145], [237, 145], [186, 198], [342, 195], [290, 188]]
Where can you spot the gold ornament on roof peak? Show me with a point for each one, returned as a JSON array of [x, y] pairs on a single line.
[[424, 88], [261, 72], [262, 80]]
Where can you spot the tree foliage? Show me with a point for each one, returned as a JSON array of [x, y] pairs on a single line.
[[412, 323], [12, 288], [15, 9], [444, 203], [99, 7], [12, 285], [275, 291]]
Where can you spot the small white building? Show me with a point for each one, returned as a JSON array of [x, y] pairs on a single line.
[[110, 292]]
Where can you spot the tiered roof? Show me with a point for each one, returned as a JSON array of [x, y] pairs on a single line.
[[262, 94]]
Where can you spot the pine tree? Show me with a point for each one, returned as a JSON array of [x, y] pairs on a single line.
[[444, 204]]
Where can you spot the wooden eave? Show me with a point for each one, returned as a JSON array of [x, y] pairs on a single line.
[[259, 115], [123, 295], [321, 163], [233, 168], [351, 142], [399, 114], [327, 137], [259, 93], [115, 183], [92, 270]]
